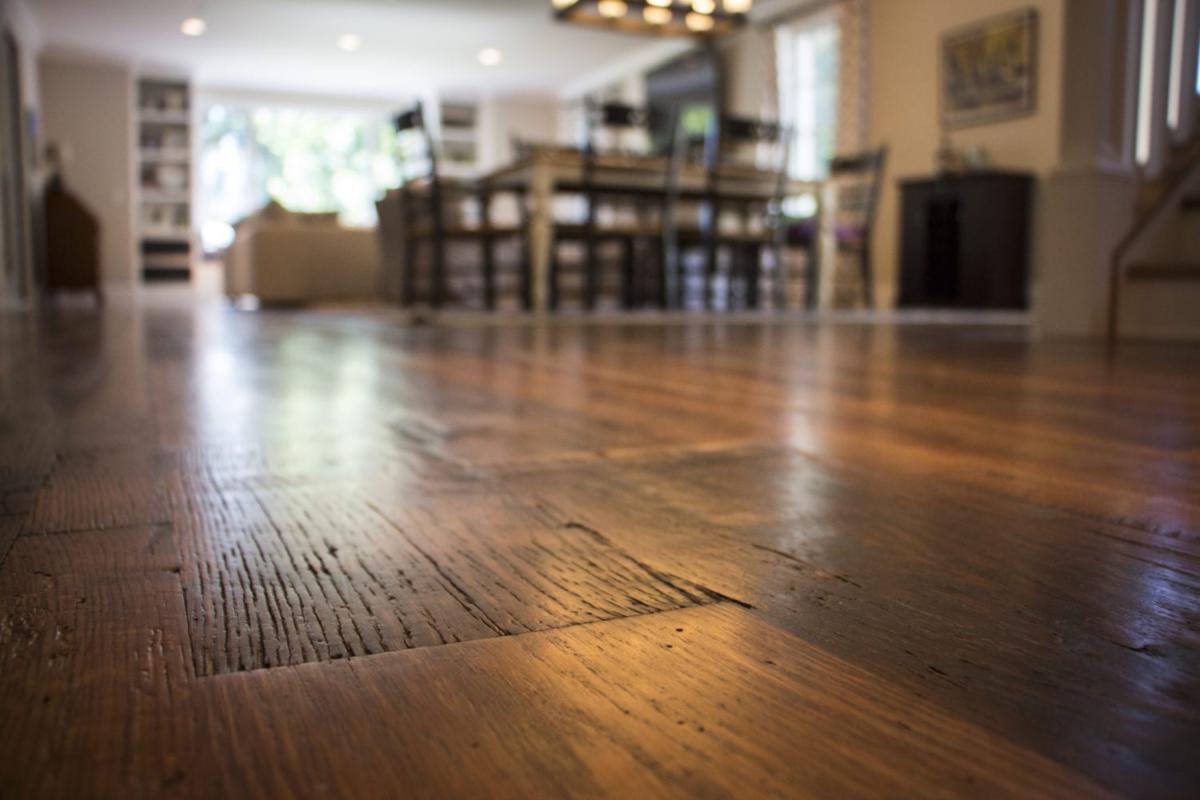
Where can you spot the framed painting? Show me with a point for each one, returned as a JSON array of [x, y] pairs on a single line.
[[989, 70]]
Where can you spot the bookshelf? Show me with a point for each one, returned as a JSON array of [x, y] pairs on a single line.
[[459, 139], [163, 118]]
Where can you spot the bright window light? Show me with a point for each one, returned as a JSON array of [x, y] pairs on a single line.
[[1145, 104]]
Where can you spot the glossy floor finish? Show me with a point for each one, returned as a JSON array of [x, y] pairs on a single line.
[[291, 554]]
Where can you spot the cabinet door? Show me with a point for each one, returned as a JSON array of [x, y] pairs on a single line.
[[995, 242]]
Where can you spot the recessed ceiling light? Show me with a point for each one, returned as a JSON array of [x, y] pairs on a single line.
[[349, 42], [193, 26], [490, 56]]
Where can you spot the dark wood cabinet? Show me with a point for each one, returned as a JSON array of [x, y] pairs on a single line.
[[965, 241]]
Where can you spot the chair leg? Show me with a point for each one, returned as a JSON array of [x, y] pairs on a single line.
[[753, 268], [710, 272], [628, 290], [813, 274], [489, 272], [554, 271], [439, 271], [664, 255], [525, 254], [735, 269], [779, 285], [864, 265], [526, 275], [591, 272], [410, 272]]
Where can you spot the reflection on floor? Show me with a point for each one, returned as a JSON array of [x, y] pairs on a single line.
[[301, 553]]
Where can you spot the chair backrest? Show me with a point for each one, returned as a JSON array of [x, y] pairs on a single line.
[[414, 120], [764, 145], [616, 121], [857, 179]]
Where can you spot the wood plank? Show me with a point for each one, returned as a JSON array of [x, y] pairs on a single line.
[[322, 573], [680, 704], [106, 488], [971, 558], [1001, 619], [93, 648]]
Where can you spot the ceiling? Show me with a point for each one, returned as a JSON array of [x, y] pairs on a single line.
[[408, 47]]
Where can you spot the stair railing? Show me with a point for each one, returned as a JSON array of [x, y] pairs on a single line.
[[1170, 198]]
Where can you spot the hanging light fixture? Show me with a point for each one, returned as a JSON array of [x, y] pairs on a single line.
[[657, 15], [613, 9], [700, 23], [706, 18]]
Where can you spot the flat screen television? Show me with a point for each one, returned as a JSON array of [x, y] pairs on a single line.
[[688, 88]]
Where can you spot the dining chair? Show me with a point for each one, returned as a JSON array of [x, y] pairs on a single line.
[[610, 126], [855, 180], [737, 154], [434, 215]]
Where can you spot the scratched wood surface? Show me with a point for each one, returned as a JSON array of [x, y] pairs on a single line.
[[329, 554]]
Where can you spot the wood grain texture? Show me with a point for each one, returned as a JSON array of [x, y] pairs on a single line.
[[636, 707], [321, 574], [327, 554]]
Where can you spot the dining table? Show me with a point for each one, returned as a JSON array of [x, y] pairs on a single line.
[[542, 172]]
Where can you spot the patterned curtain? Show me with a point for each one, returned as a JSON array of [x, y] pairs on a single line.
[[851, 20], [852, 76]]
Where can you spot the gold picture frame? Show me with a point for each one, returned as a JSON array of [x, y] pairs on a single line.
[[988, 70]]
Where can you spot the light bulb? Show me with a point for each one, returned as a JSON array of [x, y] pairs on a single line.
[[704, 6], [699, 22], [660, 3], [612, 8], [657, 15], [563, 3], [737, 6], [193, 26]]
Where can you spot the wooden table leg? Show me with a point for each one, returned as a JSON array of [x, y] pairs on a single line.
[[541, 199]]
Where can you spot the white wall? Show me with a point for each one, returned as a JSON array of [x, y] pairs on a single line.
[[502, 118], [88, 109]]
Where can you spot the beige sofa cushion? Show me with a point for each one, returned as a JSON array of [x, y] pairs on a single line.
[[279, 258]]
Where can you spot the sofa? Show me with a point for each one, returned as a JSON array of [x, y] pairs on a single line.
[[285, 257]]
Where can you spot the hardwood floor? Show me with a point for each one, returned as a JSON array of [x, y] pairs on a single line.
[[323, 554]]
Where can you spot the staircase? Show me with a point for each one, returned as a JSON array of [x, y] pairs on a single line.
[[1156, 268], [1154, 271]]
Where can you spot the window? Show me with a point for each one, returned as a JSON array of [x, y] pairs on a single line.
[[808, 61], [307, 160]]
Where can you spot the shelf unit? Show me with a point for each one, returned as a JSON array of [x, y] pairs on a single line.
[[459, 139], [163, 118]]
